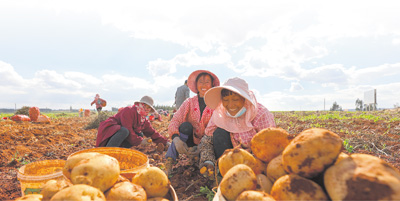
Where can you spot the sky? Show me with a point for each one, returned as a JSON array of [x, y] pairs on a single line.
[[294, 55]]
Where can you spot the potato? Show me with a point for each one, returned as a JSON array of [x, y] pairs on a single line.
[[311, 152], [30, 197], [269, 143], [295, 187], [52, 186], [341, 156], [154, 181], [79, 192], [126, 191], [255, 195], [232, 157], [100, 171], [260, 167], [275, 168], [157, 199], [73, 160], [362, 177], [263, 183], [238, 179]]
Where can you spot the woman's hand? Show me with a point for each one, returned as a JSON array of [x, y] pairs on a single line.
[[181, 146]]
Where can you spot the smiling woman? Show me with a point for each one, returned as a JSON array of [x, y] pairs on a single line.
[[236, 119]]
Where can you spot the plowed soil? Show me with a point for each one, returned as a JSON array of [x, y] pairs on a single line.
[[25, 142]]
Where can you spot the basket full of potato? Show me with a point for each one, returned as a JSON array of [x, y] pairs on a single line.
[[97, 176], [311, 166]]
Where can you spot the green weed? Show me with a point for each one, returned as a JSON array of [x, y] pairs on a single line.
[[347, 145], [207, 192]]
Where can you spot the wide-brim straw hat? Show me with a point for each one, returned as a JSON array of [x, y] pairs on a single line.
[[193, 76], [237, 85], [148, 101]]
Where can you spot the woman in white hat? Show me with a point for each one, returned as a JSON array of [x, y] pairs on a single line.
[[236, 119], [189, 122], [128, 127]]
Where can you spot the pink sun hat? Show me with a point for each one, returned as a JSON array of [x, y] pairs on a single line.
[[237, 85], [191, 81]]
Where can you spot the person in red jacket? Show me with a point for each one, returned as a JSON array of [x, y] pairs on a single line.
[[129, 126], [100, 103]]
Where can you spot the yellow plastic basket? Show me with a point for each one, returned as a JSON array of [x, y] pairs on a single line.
[[34, 175], [130, 161]]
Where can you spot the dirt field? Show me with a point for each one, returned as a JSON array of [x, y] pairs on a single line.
[[25, 142]]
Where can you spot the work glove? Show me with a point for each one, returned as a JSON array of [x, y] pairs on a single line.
[[181, 146], [161, 147], [146, 141], [194, 152], [207, 170]]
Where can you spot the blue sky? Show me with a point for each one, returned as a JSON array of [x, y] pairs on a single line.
[[295, 55]]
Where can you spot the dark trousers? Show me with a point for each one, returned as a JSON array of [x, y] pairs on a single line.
[[187, 129], [119, 139], [222, 141]]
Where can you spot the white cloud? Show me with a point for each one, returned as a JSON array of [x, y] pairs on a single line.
[[295, 86]]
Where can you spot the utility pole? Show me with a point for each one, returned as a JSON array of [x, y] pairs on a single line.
[[324, 104]]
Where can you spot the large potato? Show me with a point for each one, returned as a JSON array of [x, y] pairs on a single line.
[[79, 192], [295, 187], [269, 143], [73, 160], [126, 191], [311, 152], [255, 195], [157, 199], [275, 168], [30, 197], [362, 177], [263, 183], [52, 186], [101, 171], [238, 179], [154, 181], [232, 157]]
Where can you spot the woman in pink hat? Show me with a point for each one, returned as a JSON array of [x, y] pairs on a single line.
[[189, 122], [236, 119], [129, 126]]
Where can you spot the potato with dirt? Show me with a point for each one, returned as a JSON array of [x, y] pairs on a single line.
[[52, 186], [362, 177], [30, 197], [263, 183], [238, 179], [232, 157], [73, 160], [275, 168], [154, 181], [295, 187], [269, 143], [311, 152], [101, 171], [254, 195], [79, 192], [126, 191]]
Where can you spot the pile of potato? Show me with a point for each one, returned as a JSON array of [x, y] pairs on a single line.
[[96, 176], [312, 166]]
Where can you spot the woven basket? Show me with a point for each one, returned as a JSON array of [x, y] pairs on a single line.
[[130, 161], [34, 175]]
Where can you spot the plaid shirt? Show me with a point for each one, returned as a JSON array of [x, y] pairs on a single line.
[[190, 112], [263, 119]]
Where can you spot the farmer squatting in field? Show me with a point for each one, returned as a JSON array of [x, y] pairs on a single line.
[[189, 122], [129, 126], [236, 119]]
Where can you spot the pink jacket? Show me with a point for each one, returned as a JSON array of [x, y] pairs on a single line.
[[263, 119], [129, 118], [190, 112], [98, 102]]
